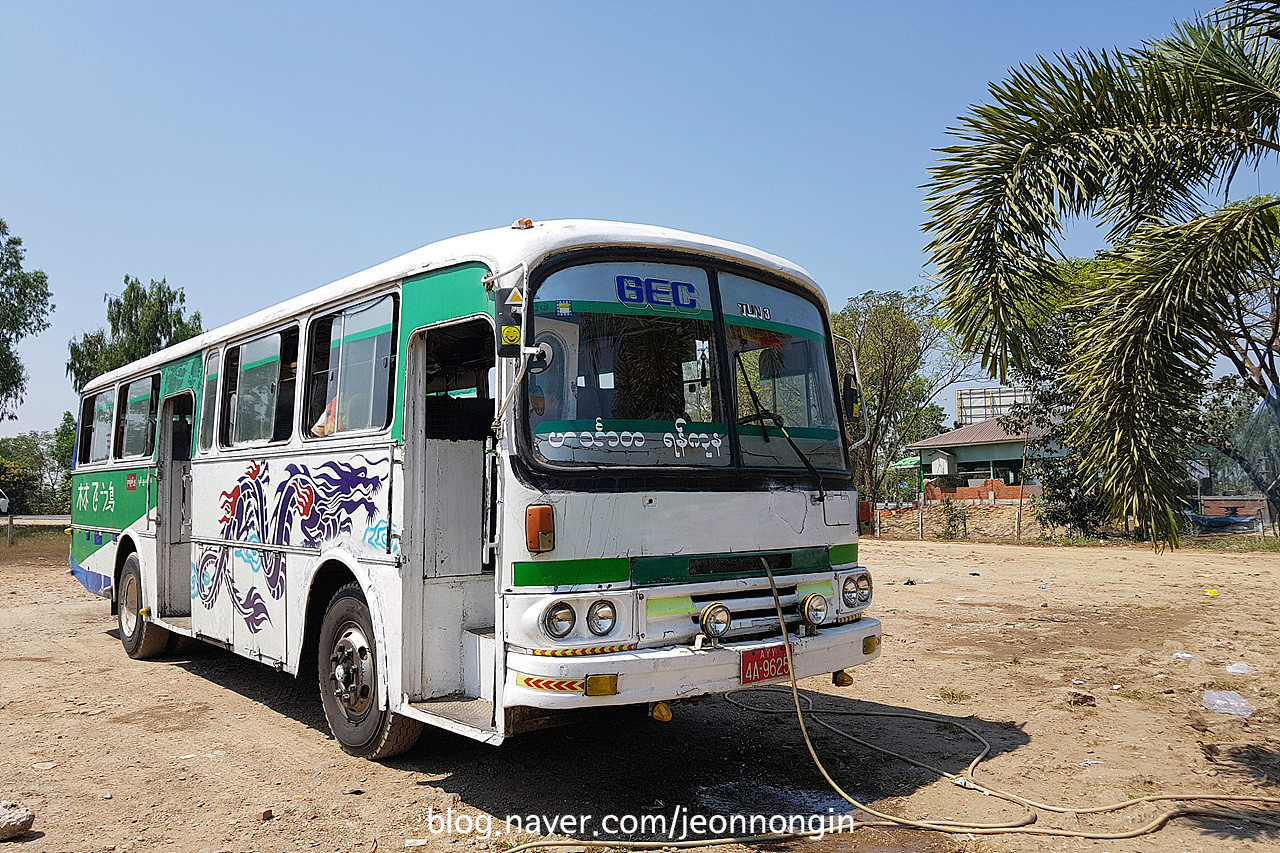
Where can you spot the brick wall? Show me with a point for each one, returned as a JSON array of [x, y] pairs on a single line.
[[1004, 492], [1247, 505]]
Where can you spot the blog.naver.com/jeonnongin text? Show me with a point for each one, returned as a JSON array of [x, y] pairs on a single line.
[[678, 825]]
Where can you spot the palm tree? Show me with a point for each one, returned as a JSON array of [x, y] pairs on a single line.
[[1141, 141]]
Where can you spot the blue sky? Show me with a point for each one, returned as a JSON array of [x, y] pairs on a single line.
[[248, 152]]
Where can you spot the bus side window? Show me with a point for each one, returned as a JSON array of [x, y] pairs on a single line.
[[351, 369], [287, 386], [231, 371], [136, 420], [95, 426], [208, 400]]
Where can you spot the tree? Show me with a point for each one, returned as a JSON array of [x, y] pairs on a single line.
[[1141, 140], [905, 359], [24, 311], [142, 320]]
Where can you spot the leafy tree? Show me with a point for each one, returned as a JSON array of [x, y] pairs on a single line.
[[142, 320], [21, 485], [1141, 140], [24, 311], [905, 358]]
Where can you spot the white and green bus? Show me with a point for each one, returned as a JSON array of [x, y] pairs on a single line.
[[506, 476]]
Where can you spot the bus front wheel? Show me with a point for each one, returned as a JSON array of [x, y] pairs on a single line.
[[349, 686], [140, 638]]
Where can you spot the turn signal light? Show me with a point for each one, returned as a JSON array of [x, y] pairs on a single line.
[[539, 528], [661, 712], [870, 644], [602, 685]]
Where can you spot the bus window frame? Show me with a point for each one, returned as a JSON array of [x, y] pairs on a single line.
[[224, 428], [212, 447], [585, 477], [121, 413], [302, 412], [81, 463]]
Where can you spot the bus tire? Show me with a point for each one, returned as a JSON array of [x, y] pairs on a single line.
[[140, 638], [349, 682]]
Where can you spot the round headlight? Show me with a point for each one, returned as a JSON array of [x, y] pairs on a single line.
[[814, 609], [715, 620], [558, 620], [601, 618], [864, 588], [849, 591]]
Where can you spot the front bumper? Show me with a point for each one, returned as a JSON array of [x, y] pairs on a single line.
[[674, 672]]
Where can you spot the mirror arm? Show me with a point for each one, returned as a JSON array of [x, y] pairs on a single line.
[[526, 352], [857, 381]]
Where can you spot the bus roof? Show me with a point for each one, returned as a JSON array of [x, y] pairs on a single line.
[[499, 248]]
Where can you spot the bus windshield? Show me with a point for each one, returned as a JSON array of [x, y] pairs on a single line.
[[636, 375]]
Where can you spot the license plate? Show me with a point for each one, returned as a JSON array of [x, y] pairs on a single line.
[[764, 664]]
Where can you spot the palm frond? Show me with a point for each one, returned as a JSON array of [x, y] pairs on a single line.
[[1135, 139], [1138, 368], [1258, 16]]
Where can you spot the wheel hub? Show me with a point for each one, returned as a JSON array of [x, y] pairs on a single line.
[[130, 603], [352, 673]]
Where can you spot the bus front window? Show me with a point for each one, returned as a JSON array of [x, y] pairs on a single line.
[[632, 379], [778, 355], [636, 376]]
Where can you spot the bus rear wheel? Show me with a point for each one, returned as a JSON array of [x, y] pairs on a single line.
[[349, 682], [140, 638]]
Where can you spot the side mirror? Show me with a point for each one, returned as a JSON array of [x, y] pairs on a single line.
[[851, 395], [510, 312], [4, 503]]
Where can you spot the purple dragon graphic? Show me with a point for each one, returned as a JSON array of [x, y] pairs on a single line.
[[322, 503]]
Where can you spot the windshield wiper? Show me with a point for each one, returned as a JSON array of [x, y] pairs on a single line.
[[763, 414]]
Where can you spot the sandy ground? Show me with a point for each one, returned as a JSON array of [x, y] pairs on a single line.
[[189, 753]]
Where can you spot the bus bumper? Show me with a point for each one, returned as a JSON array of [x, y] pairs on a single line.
[[677, 672]]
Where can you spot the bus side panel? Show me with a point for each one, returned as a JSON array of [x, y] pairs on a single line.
[[305, 502], [103, 503]]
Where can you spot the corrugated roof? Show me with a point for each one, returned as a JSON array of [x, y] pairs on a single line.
[[983, 432]]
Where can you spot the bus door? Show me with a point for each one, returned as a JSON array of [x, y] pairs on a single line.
[[449, 510], [173, 506]]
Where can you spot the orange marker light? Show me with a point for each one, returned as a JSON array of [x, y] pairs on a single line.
[[539, 528]]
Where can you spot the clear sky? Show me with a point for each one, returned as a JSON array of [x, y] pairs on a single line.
[[251, 151]]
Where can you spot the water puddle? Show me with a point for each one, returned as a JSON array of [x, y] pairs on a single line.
[[757, 797]]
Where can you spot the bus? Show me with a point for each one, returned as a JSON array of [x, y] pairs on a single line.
[[505, 477]]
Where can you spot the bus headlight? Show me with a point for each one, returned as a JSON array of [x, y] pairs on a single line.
[[849, 591], [814, 608], [715, 620], [602, 618], [864, 588], [559, 619]]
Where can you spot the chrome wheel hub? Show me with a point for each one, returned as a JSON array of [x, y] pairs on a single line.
[[130, 603], [352, 674]]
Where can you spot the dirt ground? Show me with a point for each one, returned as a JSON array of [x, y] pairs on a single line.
[[189, 753]]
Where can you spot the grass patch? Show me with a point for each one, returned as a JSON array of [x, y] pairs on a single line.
[[953, 697], [1227, 684], [33, 540]]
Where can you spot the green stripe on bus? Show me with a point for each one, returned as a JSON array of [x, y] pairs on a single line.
[[582, 306], [589, 425], [673, 606], [805, 590], [664, 570], [770, 326], [796, 432], [560, 572], [842, 554], [262, 362], [384, 329]]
